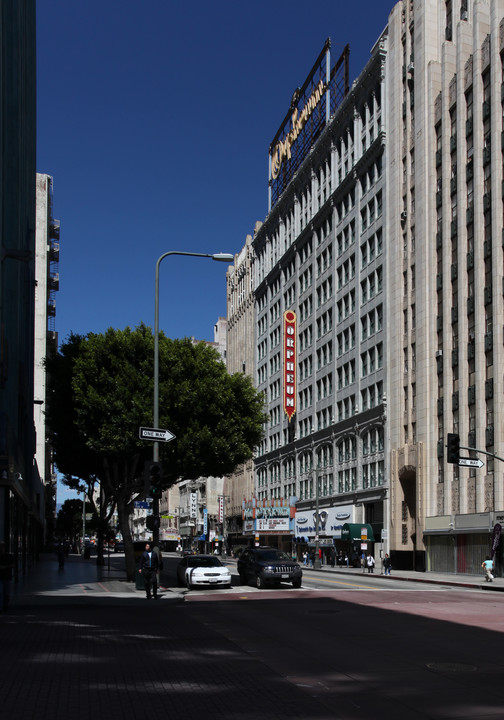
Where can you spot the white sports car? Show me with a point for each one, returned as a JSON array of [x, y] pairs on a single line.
[[203, 571]]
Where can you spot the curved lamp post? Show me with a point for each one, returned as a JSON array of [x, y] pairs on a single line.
[[219, 257]]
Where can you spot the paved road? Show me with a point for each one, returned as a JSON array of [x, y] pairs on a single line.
[[84, 643]]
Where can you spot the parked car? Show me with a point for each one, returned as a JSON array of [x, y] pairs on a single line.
[[264, 565], [119, 546], [202, 571]]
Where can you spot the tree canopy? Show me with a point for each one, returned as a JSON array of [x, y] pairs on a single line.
[[102, 393], [69, 519]]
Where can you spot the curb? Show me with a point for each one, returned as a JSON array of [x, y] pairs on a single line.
[[432, 581]]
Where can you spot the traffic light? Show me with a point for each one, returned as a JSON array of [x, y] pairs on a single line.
[[453, 448], [152, 522], [155, 479]]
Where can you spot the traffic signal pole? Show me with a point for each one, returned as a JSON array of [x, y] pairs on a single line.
[[454, 447], [483, 452]]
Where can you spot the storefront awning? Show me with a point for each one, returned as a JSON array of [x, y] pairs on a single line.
[[354, 531]]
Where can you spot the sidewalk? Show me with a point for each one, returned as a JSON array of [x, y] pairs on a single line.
[[475, 581], [78, 581]]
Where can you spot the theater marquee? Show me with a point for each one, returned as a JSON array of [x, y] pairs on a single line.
[[310, 110], [290, 360]]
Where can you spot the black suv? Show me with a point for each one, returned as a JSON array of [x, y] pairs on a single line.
[[267, 565]]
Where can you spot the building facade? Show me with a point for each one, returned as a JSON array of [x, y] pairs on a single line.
[[21, 492], [321, 264], [46, 339], [240, 359], [445, 101], [382, 256]]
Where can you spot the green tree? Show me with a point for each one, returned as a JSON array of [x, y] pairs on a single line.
[[104, 393], [78, 463], [69, 519]]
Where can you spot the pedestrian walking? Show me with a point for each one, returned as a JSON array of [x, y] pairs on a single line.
[[305, 558], [387, 564], [61, 554], [157, 550], [6, 565], [363, 561], [487, 565], [332, 557], [149, 565], [370, 562]]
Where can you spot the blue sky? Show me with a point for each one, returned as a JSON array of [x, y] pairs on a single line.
[[154, 120]]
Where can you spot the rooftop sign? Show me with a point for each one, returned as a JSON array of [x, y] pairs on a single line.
[[311, 107]]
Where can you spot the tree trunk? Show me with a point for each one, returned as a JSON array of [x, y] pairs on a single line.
[[123, 517], [102, 525]]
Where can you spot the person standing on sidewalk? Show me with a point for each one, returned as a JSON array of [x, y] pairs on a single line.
[[61, 554], [387, 564], [370, 561], [6, 565], [487, 565], [149, 565], [157, 550]]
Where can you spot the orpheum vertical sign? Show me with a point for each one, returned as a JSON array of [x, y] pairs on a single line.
[[290, 351]]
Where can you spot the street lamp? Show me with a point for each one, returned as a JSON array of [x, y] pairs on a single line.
[[316, 560], [219, 257]]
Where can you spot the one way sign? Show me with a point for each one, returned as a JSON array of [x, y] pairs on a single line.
[[155, 434]]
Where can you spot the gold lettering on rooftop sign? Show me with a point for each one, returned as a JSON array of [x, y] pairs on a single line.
[[283, 147]]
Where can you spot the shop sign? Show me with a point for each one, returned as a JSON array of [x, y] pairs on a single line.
[[289, 353], [271, 524], [496, 535], [193, 505], [330, 521], [273, 512]]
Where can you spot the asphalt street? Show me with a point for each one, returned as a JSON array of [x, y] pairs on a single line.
[[83, 642]]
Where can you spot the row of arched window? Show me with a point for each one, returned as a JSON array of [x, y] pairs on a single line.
[[371, 443]]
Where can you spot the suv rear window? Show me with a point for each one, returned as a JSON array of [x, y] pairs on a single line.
[[271, 555]]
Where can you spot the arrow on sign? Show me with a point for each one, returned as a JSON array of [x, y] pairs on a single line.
[[155, 434], [471, 462]]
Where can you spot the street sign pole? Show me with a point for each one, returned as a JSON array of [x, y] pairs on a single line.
[[470, 462], [156, 434]]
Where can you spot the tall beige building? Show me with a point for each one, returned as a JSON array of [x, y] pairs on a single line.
[[240, 358], [445, 102]]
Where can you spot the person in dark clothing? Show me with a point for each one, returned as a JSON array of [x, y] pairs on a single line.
[[149, 566], [61, 553], [6, 565]]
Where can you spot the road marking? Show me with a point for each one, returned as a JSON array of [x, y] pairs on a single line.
[[339, 582]]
